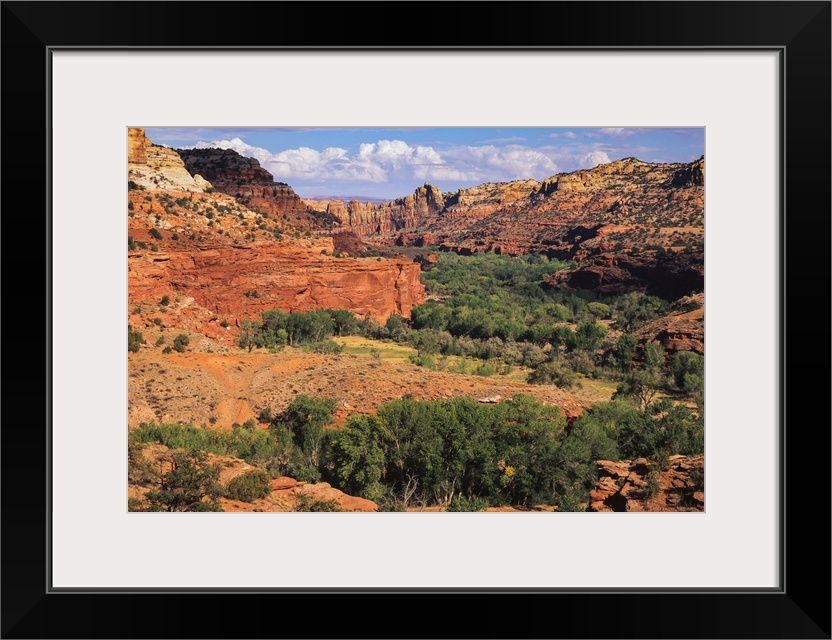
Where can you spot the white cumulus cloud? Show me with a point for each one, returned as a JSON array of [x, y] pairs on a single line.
[[593, 159], [384, 160], [502, 164]]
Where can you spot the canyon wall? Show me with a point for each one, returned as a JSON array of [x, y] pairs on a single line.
[[243, 281], [207, 243]]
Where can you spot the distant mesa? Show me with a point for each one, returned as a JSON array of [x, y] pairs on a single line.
[[318, 199]]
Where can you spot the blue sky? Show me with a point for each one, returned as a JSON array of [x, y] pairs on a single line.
[[392, 162]]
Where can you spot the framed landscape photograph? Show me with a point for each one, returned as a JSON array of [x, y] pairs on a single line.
[[421, 318], [496, 339]]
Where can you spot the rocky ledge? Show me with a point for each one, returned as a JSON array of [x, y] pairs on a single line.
[[640, 485]]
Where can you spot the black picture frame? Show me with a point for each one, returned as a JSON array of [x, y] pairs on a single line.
[[799, 608]]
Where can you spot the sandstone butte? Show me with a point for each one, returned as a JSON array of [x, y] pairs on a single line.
[[225, 266]]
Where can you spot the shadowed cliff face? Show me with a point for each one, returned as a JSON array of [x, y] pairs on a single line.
[[254, 187], [666, 275]]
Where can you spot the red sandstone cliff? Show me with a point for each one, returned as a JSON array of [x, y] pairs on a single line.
[[241, 281], [221, 259]]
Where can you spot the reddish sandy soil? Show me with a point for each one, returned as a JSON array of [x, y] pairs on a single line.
[[221, 389]]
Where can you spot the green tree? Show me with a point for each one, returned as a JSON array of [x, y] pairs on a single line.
[[556, 374], [395, 325], [589, 335], [634, 309], [249, 332], [306, 418], [688, 371], [186, 486], [358, 455], [653, 356], [461, 503], [624, 350], [641, 386], [345, 323], [527, 436]]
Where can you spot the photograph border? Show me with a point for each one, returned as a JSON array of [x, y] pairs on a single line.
[[799, 31]]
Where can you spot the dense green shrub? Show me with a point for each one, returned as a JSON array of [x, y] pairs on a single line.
[[328, 347], [249, 486], [180, 342], [134, 340], [474, 503], [554, 373]]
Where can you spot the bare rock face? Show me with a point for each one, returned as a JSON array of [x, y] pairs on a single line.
[[136, 143], [154, 167], [242, 281], [683, 329], [640, 485], [254, 187], [403, 213]]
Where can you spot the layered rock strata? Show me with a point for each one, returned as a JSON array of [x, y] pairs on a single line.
[[242, 281]]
